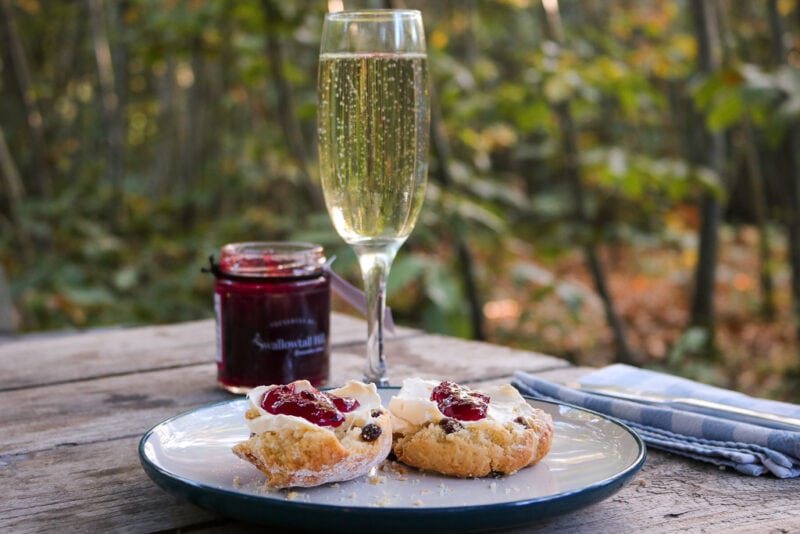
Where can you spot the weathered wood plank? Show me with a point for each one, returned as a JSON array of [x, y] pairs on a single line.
[[673, 494], [94, 487], [435, 356], [75, 357], [68, 456], [102, 409], [95, 354], [78, 429], [125, 405], [113, 407]]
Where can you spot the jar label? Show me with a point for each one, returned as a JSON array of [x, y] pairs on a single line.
[[267, 336], [309, 344]]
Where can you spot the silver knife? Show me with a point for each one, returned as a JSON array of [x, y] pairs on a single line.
[[782, 422]]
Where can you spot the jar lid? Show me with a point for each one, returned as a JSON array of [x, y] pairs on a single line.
[[271, 259]]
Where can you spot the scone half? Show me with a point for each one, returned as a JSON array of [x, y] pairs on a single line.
[[512, 435], [294, 452]]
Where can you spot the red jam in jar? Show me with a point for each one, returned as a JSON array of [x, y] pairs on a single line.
[[272, 304]]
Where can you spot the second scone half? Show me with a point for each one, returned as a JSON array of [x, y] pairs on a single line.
[[499, 438]]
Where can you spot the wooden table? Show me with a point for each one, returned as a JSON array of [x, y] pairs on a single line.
[[73, 408]]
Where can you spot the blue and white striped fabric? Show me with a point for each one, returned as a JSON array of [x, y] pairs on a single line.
[[718, 439]]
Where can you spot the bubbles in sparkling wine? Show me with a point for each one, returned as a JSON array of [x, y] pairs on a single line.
[[373, 138]]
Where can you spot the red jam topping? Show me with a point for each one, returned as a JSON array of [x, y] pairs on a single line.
[[343, 404], [460, 402], [316, 407]]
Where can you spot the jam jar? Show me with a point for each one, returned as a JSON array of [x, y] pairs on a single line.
[[272, 302]]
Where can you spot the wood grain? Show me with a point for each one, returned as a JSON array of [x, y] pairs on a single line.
[[673, 494], [103, 408], [93, 487], [64, 358], [72, 410]]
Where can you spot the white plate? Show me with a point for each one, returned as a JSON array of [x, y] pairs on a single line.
[[591, 458]]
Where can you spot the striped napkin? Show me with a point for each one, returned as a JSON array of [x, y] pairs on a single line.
[[719, 438]]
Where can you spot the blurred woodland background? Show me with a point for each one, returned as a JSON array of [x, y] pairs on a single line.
[[611, 180]]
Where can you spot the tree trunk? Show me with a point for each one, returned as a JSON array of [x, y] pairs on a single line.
[[164, 172], [22, 77], [119, 60], [193, 133], [776, 30], [109, 97], [580, 215], [441, 149], [9, 317], [792, 147], [755, 179], [12, 184], [789, 154], [69, 40], [702, 304], [572, 173], [471, 49], [15, 191], [299, 150]]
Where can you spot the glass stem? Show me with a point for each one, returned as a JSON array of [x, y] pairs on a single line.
[[375, 267]]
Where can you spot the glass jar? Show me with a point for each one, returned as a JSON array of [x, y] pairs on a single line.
[[272, 302]]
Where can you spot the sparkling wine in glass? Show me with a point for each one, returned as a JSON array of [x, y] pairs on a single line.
[[374, 128]]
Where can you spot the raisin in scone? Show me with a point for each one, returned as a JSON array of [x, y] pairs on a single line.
[[302, 437], [448, 428]]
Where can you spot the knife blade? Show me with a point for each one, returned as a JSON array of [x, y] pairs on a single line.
[[717, 409]]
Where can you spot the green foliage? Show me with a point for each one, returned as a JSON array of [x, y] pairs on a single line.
[[207, 158], [770, 99], [647, 187]]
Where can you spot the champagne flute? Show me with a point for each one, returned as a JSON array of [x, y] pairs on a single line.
[[374, 129]]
